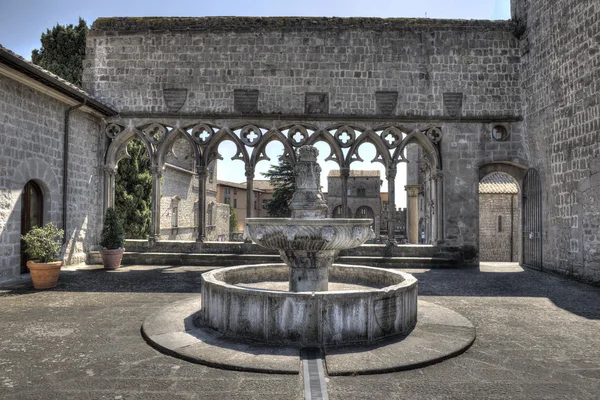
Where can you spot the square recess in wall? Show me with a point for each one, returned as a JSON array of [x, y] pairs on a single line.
[[245, 100], [316, 103], [453, 102]]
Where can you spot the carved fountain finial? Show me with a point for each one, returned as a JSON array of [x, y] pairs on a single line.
[[307, 201]]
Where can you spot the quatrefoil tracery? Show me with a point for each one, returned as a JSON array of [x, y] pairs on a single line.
[[202, 133], [250, 135], [345, 136], [155, 133]]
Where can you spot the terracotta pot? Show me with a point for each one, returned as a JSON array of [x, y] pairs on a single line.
[[44, 275], [111, 258]]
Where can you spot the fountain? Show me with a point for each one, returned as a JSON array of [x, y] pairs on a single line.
[[381, 303], [256, 317]]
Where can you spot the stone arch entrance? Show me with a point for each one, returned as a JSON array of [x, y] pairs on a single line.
[[366, 212], [499, 218], [251, 137]]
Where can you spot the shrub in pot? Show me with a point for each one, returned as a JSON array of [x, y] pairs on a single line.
[[112, 240], [42, 245]]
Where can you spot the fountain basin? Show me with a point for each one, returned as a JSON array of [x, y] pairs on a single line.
[[314, 234], [385, 306]]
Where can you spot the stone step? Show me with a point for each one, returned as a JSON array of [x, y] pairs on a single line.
[[226, 260]]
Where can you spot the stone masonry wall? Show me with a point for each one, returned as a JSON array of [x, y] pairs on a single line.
[[31, 147], [495, 245], [131, 60], [561, 81]]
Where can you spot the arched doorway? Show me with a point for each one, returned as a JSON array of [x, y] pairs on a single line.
[[532, 219], [499, 218], [338, 213], [32, 214], [366, 212]]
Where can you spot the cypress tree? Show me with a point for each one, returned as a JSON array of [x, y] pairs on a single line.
[[62, 51], [283, 179], [133, 191]]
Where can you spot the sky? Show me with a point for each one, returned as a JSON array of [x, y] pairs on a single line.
[[22, 22]]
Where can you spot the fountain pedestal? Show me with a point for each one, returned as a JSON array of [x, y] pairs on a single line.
[[309, 270]]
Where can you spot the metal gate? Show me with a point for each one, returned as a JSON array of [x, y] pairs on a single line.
[[532, 220]]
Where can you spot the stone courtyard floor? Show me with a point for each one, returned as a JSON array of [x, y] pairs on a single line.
[[538, 337]]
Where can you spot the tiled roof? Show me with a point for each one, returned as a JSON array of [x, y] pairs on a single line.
[[263, 184], [356, 173], [498, 182], [259, 185], [49, 79]]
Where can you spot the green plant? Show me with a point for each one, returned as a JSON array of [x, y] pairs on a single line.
[[113, 233], [233, 222], [283, 179], [43, 244]]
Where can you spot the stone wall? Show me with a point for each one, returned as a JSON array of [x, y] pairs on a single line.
[[130, 61], [561, 83], [460, 75], [497, 239], [31, 148]]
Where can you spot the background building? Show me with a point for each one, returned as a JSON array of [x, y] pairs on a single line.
[[236, 195], [364, 196]]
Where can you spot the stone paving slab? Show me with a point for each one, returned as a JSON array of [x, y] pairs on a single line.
[[440, 334]]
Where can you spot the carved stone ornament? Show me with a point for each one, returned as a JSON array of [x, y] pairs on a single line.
[[155, 133], [386, 102], [202, 133], [174, 98], [453, 103], [250, 135], [112, 130], [434, 134], [316, 103], [245, 100]]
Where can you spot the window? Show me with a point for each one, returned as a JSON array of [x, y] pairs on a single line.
[[234, 203], [361, 192], [264, 203], [499, 223], [255, 204], [349, 192]]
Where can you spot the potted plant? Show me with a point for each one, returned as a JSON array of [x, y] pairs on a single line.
[[43, 245], [112, 240]]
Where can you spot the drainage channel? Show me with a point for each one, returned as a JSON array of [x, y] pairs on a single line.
[[315, 387]]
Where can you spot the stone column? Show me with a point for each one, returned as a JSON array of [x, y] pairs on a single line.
[[412, 213], [156, 172], [109, 186], [202, 171], [439, 205], [345, 173], [249, 191], [391, 179]]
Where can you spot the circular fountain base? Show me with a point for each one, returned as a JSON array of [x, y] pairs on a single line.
[[384, 305], [439, 334]]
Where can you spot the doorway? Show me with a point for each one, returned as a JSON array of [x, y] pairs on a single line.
[[32, 214], [532, 220]]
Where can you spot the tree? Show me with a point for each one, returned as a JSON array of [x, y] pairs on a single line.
[[283, 179], [133, 191], [233, 222], [62, 51]]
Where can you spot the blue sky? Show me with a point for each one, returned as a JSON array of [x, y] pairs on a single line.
[[22, 22]]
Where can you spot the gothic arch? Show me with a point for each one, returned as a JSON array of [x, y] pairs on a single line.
[[167, 143]]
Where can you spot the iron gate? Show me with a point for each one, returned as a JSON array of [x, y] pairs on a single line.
[[532, 220]]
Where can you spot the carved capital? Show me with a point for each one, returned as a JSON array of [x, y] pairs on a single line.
[[112, 171], [412, 190], [437, 174], [390, 173], [249, 172], [345, 172], [201, 170], [156, 171]]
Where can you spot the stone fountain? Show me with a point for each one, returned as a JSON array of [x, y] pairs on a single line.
[[240, 302], [255, 317]]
